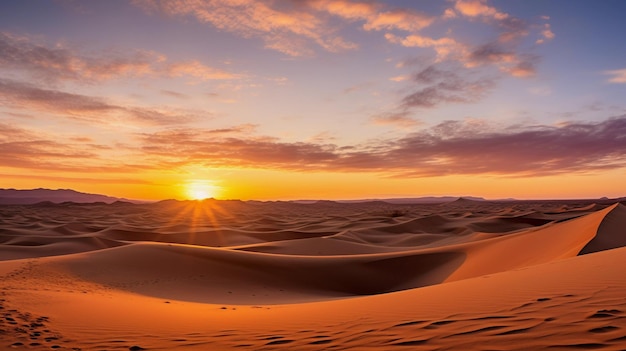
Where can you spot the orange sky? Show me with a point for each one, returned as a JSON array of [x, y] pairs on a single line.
[[319, 99]]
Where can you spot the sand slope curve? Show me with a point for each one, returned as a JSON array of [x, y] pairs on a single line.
[[296, 270]]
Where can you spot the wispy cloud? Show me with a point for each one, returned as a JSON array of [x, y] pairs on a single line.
[[511, 26], [398, 19], [375, 16], [507, 60], [281, 27], [463, 72], [546, 33], [22, 148], [479, 8], [445, 47], [174, 94], [436, 86], [617, 76], [59, 62], [505, 53], [27, 95], [400, 120], [206, 147], [452, 147], [195, 69], [398, 78], [537, 150], [10, 132], [82, 107], [290, 27]]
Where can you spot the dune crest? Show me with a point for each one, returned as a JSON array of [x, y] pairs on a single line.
[[611, 233], [411, 274]]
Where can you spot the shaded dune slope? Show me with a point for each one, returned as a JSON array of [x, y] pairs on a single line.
[[217, 275], [611, 232], [299, 253]]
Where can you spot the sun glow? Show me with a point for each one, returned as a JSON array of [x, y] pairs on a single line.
[[200, 190]]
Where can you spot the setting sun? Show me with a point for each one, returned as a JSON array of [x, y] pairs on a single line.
[[200, 190]]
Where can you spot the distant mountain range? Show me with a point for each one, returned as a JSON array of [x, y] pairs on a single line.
[[402, 200], [419, 200], [33, 196], [57, 196]]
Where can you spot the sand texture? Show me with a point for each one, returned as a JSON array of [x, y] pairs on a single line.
[[232, 275]]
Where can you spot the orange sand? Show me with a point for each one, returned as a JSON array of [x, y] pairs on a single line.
[[261, 276]]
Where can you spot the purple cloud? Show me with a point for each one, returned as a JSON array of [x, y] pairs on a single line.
[[444, 86], [82, 107], [64, 63], [22, 148], [455, 148], [451, 147]]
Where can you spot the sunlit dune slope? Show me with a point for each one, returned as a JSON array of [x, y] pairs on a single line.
[[297, 264], [219, 276]]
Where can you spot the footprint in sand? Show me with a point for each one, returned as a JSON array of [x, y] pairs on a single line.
[[279, 342], [607, 329], [605, 314]]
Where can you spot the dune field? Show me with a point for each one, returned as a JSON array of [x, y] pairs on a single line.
[[232, 275]]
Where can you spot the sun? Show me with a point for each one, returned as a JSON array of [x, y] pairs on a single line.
[[200, 190]]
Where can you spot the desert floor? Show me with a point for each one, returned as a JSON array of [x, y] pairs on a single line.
[[231, 275]]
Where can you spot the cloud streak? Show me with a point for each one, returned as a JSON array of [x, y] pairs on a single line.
[[505, 53], [376, 16], [470, 147], [617, 76], [82, 107], [28, 149], [457, 148], [281, 29], [289, 27], [437, 86], [292, 26], [400, 120], [215, 148], [463, 72], [22, 148], [60, 63], [453, 147], [512, 27], [507, 60]]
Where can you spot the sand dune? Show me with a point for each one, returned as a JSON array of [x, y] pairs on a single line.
[[611, 232], [223, 275]]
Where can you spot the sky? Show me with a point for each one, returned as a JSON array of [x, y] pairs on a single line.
[[314, 99]]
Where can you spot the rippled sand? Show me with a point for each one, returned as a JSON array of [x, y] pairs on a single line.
[[224, 275]]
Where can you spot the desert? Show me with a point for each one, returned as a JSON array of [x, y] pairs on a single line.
[[312, 175], [224, 275]]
